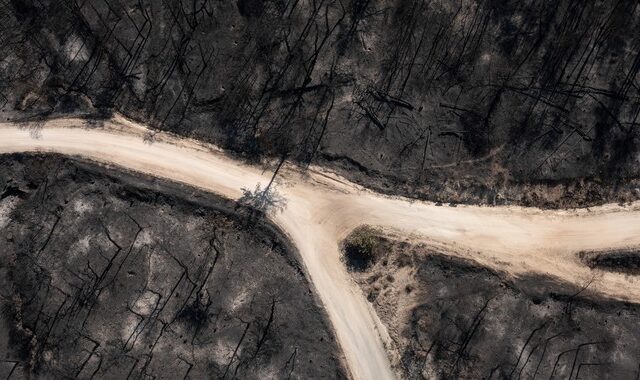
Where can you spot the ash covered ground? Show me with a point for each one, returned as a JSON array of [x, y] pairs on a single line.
[[451, 318], [475, 101], [105, 274]]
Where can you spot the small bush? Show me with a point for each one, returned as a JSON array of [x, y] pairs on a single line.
[[359, 248]]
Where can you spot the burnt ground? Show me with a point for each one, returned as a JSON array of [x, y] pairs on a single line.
[[623, 261], [105, 274], [477, 101], [452, 319]]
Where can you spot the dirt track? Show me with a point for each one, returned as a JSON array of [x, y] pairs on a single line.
[[322, 209]]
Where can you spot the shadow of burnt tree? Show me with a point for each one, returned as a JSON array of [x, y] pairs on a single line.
[[262, 200]]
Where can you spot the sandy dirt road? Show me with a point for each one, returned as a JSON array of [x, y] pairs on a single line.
[[323, 208]]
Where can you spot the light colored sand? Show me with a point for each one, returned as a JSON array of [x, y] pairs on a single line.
[[323, 208]]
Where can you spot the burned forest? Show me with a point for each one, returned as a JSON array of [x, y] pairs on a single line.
[[103, 276], [491, 102], [319, 189], [452, 318]]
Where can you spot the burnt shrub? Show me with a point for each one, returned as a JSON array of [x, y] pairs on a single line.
[[196, 313], [617, 261]]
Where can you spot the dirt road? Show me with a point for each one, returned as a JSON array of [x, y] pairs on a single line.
[[323, 208]]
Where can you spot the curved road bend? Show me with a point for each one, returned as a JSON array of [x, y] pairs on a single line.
[[323, 208]]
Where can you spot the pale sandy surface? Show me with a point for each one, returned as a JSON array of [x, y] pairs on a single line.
[[323, 208]]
